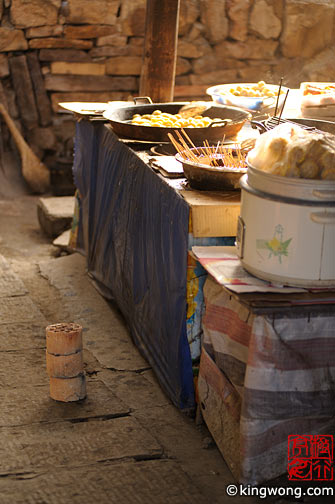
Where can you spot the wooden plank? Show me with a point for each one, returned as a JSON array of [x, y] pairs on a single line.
[[42, 100], [24, 90], [213, 214], [160, 44], [89, 83]]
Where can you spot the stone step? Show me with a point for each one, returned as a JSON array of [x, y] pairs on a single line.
[[55, 214]]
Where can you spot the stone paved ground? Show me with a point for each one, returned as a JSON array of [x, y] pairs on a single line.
[[126, 443]]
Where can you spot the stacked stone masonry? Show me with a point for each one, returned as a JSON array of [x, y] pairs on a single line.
[[53, 51]]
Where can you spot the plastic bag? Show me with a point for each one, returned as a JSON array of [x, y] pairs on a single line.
[[291, 151]]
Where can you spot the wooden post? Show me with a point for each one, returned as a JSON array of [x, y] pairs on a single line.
[[160, 50]]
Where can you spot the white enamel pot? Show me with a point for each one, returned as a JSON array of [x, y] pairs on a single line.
[[286, 229]]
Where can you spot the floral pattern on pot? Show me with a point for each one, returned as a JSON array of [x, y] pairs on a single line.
[[277, 246]]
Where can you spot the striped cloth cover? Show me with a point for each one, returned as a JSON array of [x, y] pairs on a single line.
[[277, 370]]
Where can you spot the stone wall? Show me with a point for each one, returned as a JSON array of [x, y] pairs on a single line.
[[83, 50]]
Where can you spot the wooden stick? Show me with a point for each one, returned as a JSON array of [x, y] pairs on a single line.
[[230, 158], [283, 106], [280, 84]]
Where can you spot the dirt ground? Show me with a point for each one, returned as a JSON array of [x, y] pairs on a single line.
[[126, 442]]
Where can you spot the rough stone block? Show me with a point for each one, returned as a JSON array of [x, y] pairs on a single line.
[[4, 68], [42, 100], [55, 214], [12, 40], [44, 31], [183, 66], [77, 68], [81, 12], [307, 31], [263, 20], [89, 83], [213, 17], [133, 16], [59, 43], [106, 51], [43, 138], [63, 55], [252, 48], [24, 90], [89, 31], [62, 241], [25, 13], [192, 50], [128, 65], [3, 97], [238, 11], [115, 39]]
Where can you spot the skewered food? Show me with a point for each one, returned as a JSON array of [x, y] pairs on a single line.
[[291, 151], [214, 156]]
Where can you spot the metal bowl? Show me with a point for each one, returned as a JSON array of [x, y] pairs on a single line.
[[221, 94]]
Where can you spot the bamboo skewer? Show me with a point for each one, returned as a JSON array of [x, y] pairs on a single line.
[[283, 106], [218, 156], [278, 95]]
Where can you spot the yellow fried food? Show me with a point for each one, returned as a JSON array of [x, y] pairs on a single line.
[[260, 89], [166, 120], [328, 173]]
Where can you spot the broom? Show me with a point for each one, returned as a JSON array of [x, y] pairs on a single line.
[[34, 171]]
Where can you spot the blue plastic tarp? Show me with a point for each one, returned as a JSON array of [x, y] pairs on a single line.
[[134, 231]]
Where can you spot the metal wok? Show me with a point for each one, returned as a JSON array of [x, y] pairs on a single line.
[[120, 120]]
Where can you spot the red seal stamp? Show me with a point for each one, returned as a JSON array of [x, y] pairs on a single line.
[[310, 457]]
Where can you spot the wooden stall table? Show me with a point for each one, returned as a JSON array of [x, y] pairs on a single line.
[[136, 228], [267, 368]]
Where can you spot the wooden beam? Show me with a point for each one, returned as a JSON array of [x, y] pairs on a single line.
[[160, 50]]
